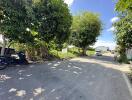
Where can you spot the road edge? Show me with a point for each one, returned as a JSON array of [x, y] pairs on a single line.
[[127, 83]]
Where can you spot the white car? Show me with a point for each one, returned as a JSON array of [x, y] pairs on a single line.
[[98, 53]]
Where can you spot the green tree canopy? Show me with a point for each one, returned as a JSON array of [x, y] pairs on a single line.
[[124, 31], [53, 20], [123, 5], [85, 30], [31, 21], [123, 27], [17, 18]]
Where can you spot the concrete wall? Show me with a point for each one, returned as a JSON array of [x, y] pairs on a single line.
[[129, 53]]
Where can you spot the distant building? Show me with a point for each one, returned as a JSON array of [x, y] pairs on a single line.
[[102, 48]]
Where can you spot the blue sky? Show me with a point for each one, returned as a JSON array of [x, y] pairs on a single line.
[[105, 8]]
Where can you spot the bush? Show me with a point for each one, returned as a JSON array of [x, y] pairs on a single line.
[[123, 59]]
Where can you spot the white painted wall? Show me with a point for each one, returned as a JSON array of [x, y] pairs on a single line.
[[129, 53]]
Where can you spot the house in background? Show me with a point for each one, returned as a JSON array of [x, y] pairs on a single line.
[[102, 48]]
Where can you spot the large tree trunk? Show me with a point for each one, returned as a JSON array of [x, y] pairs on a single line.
[[44, 52], [3, 46], [30, 54], [84, 51], [123, 56]]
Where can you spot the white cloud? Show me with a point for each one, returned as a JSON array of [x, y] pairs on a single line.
[[112, 29], [109, 44], [114, 19], [69, 2]]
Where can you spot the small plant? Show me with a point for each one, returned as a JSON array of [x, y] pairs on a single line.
[[123, 59]]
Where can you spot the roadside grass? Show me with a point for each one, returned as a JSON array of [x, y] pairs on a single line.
[[90, 52], [72, 53]]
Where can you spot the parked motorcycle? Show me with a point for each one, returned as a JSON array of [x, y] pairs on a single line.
[[12, 60]]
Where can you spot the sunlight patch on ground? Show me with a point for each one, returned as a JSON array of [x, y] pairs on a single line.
[[31, 66], [75, 72], [20, 78], [57, 98], [12, 90], [29, 75], [77, 67], [21, 93], [53, 90], [121, 67], [56, 65], [31, 99], [68, 66], [49, 63], [106, 64], [38, 91], [21, 71], [60, 69], [53, 67], [66, 70], [4, 77]]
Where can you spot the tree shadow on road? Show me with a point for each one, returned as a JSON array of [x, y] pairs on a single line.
[[56, 80]]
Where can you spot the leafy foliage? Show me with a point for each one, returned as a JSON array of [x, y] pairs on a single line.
[[124, 27], [124, 31], [53, 20], [35, 23], [17, 17], [85, 30], [124, 5]]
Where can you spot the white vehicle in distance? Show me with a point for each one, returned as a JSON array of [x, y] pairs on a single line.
[[98, 53]]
